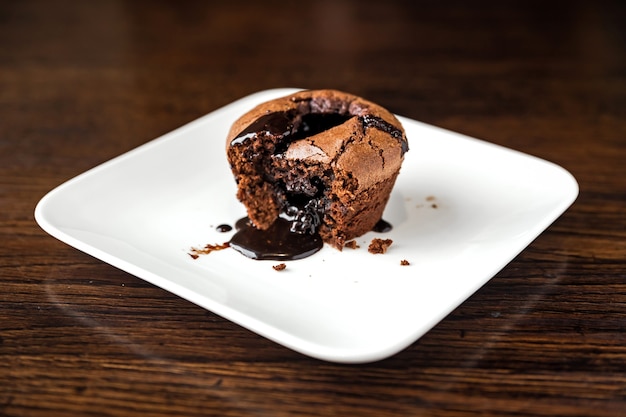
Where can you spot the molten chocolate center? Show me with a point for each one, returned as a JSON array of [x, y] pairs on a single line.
[[276, 243]]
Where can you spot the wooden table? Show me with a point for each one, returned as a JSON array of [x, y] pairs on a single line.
[[82, 82]]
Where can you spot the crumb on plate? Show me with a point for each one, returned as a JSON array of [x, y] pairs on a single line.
[[378, 246], [279, 267], [208, 248], [351, 244]]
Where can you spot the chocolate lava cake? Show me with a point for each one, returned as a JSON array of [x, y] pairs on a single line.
[[324, 160]]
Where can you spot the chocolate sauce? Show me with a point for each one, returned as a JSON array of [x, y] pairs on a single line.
[[277, 243], [382, 226], [223, 228], [277, 124], [305, 217]]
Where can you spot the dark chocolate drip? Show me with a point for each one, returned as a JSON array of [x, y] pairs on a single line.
[[278, 124], [223, 228], [277, 243], [378, 123], [287, 125], [382, 226], [305, 216]]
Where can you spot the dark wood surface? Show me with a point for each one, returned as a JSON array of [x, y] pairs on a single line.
[[82, 82]]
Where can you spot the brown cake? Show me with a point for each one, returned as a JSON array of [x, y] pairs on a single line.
[[324, 160]]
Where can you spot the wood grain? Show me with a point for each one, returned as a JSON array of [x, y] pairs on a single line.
[[82, 82]]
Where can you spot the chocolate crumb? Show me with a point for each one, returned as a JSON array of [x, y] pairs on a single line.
[[351, 244], [430, 198], [404, 262], [208, 248], [378, 246], [279, 267], [434, 205]]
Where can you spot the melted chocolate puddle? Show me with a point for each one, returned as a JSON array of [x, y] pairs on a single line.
[[280, 242], [277, 243]]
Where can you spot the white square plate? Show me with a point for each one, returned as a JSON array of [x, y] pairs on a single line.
[[461, 210]]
